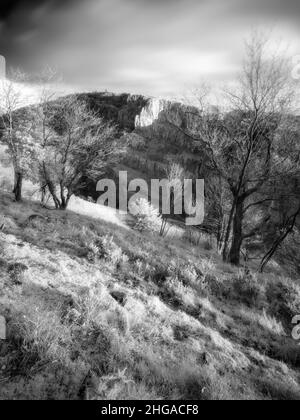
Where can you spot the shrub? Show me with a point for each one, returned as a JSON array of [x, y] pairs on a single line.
[[105, 248], [189, 275], [181, 294], [146, 217]]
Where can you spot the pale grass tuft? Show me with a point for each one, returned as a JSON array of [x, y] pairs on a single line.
[[43, 334], [271, 323]]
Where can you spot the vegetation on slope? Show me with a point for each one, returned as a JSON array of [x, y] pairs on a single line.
[[96, 311]]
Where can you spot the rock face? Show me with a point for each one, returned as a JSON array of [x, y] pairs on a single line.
[[139, 114], [162, 111], [150, 113], [161, 128]]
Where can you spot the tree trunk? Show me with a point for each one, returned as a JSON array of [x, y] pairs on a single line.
[[64, 197], [18, 183], [279, 241], [51, 188], [63, 205], [227, 232], [221, 235], [237, 234], [269, 255]]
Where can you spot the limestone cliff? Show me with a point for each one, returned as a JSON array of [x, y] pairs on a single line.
[[155, 131]]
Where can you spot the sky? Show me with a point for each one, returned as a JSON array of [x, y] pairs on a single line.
[[151, 47]]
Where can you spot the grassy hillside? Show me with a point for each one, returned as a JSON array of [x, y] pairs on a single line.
[[97, 311]]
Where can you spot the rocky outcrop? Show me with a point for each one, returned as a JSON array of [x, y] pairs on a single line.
[[155, 131], [162, 111], [150, 113], [136, 112]]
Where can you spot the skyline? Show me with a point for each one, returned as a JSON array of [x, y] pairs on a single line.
[[157, 48]]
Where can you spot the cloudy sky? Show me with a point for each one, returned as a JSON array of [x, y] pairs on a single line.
[[155, 47]]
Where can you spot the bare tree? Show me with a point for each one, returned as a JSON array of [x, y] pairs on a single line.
[[42, 117], [261, 106], [12, 99], [241, 142], [74, 143], [281, 200]]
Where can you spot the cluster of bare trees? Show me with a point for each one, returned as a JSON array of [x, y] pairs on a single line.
[[254, 145], [56, 143], [10, 102]]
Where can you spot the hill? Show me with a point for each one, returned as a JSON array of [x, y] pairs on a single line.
[[154, 131], [150, 126], [98, 311]]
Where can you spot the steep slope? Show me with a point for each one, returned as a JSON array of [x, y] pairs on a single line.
[[99, 312]]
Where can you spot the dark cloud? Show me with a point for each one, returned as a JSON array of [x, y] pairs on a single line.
[[278, 9], [151, 46], [20, 20], [9, 8]]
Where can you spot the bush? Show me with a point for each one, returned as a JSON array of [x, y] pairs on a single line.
[[146, 217], [189, 275], [105, 249]]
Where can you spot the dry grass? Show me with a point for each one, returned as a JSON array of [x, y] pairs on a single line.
[[103, 312], [271, 323]]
